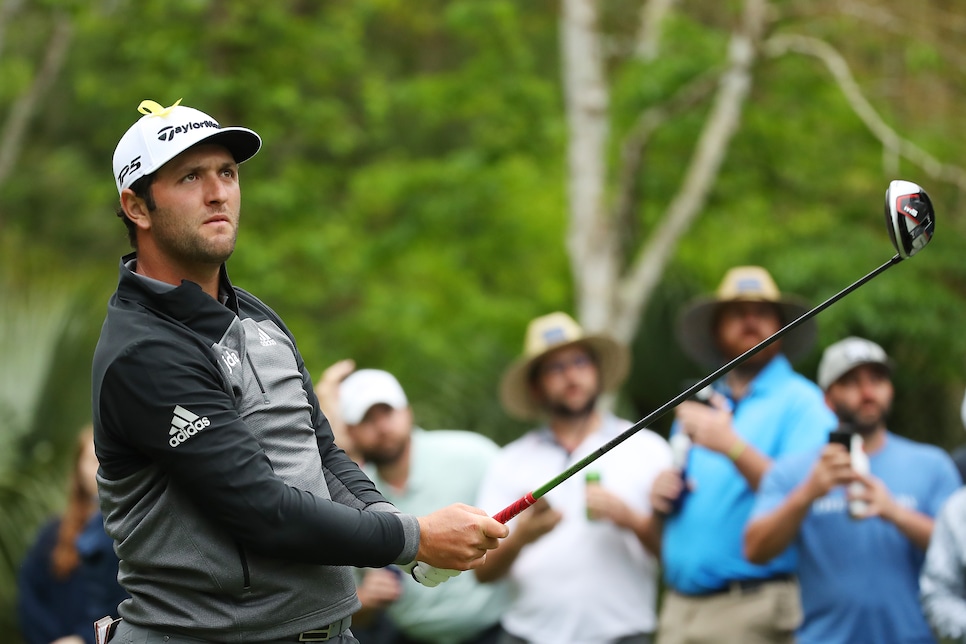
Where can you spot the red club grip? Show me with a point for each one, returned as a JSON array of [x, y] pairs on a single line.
[[515, 508]]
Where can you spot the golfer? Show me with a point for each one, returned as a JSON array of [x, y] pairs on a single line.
[[234, 514]]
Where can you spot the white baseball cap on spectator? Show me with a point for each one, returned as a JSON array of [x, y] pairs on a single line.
[[363, 389]]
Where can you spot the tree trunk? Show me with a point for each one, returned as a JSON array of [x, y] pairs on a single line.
[[606, 300], [590, 236]]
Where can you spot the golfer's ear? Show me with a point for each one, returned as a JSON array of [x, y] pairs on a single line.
[[135, 209]]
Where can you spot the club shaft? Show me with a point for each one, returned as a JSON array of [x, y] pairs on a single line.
[[529, 499]]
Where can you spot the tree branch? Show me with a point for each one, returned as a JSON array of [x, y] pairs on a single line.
[[637, 139], [8, 10], [15, 127], [649, 35], [638, 285], [892, 143]]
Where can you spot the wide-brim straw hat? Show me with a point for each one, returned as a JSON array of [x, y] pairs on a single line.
[[549, 333], [743, 284]]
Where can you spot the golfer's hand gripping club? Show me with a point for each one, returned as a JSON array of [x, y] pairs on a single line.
[[911, 223], [451, 539]]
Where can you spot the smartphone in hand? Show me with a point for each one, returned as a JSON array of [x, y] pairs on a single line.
[[845, 435], [840, 437]]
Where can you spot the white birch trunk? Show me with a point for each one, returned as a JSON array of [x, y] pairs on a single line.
[[590, 236], [605, 299]]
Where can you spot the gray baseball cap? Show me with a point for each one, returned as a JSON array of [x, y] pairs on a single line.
[[847, 354]]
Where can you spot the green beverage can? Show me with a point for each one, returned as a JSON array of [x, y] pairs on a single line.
[[591, 478]]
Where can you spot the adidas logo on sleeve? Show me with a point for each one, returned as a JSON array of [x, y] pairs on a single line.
[[184, 425]]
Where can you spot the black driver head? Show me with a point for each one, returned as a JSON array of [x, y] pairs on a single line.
[[909, 217]]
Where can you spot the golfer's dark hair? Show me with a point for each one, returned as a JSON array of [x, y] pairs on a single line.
[[141, 188]]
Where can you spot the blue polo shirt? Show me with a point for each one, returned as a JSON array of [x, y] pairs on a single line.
[[860, 579], [782, 413]]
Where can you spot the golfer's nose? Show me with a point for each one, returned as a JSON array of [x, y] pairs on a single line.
[[216, 190]]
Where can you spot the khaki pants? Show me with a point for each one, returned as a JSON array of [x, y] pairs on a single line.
[[767, 614]]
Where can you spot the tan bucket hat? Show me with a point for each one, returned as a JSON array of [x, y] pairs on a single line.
[[549, 333], [742, 284]]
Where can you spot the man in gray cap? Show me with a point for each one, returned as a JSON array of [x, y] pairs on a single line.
[[235, 516], [860, 517], [760, 411]]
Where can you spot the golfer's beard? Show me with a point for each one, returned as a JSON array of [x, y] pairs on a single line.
[[176, 239], [199, 251]]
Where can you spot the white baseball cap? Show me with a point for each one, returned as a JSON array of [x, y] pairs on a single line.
[[165, 132], [367, 387], [847, 354]]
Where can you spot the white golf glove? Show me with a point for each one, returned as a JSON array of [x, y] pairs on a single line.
[[428, 575]]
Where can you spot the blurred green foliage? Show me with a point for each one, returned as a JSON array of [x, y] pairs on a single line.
[[409, 206]]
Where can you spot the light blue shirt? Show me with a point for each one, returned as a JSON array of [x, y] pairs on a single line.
[[445, 467], [860, 578], [782, 413]]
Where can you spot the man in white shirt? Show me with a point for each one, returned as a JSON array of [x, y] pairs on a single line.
[[580, 562]]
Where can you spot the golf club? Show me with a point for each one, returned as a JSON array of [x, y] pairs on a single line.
[[911, 223]]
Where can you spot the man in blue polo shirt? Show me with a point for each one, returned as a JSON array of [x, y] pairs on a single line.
[[760, 411], [858, 564]]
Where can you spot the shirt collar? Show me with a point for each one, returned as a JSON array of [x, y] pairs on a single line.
[[610, 427]]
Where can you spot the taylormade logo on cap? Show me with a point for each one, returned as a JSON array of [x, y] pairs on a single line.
[[165, 132]]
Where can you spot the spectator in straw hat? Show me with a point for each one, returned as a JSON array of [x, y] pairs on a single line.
[[581, 561], [759, 411]]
